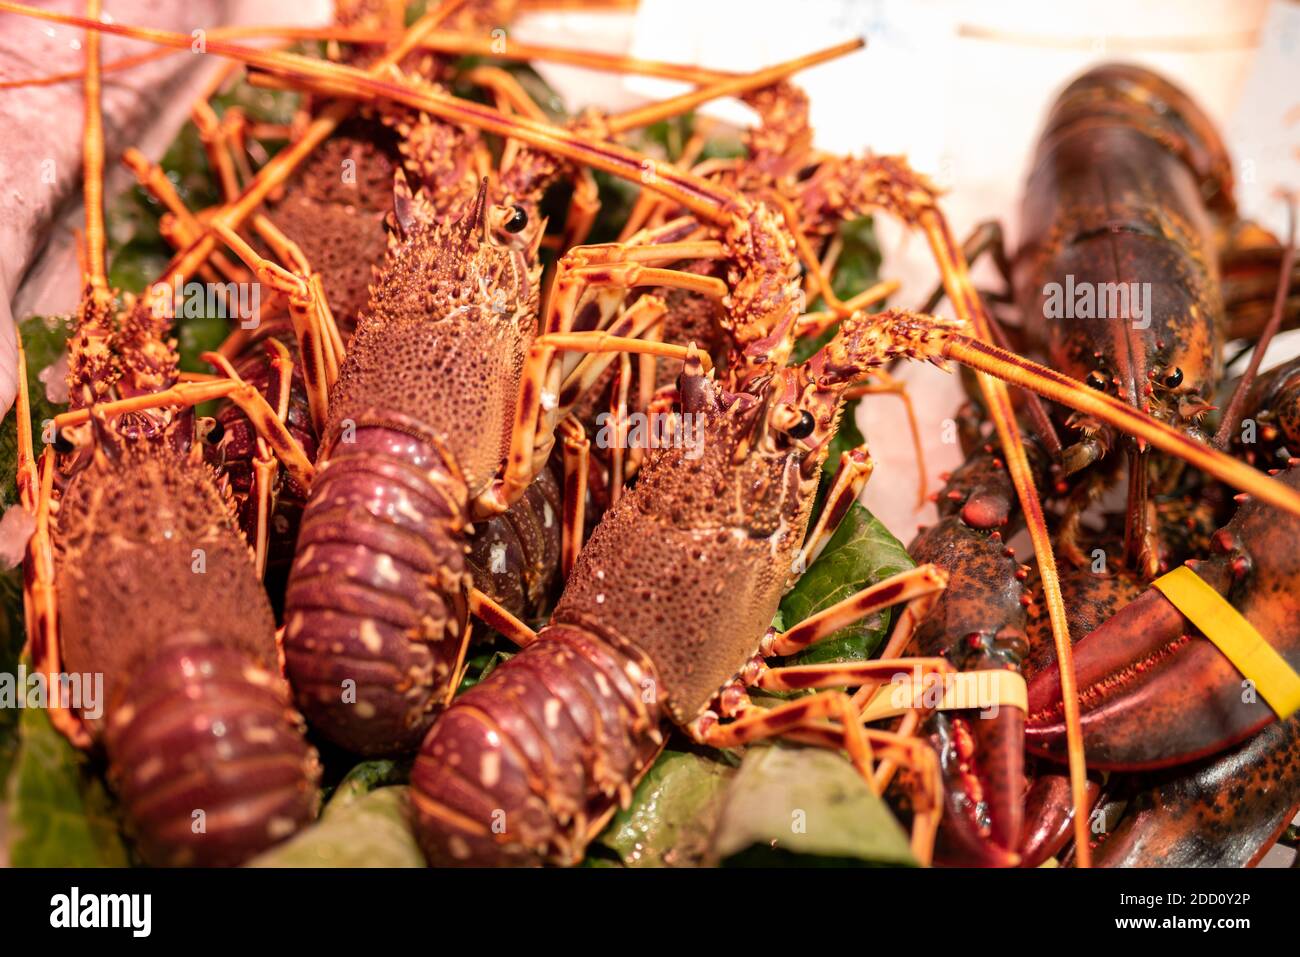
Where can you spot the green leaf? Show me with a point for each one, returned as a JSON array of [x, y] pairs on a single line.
[[60, 815], [364, 778], [672, 812], [370, 831], [43, 341], [804, 806], [860, 553]]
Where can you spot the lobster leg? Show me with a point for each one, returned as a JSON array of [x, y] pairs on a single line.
[[803, 720], [850, 479], [915, 583], [264, 463], [482, 607], [577, 462], [153, 180], [254, 404], [308, 313], [614, 266]]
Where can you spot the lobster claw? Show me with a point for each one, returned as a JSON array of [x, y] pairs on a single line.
[[982, 760], [1154, 691]]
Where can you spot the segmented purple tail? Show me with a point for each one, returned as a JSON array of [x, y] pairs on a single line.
[[375, 611], [526, 765], [208, 758]]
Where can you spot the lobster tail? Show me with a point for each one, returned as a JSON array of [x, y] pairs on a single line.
[[208, 758], [375, 610], [528, 764]]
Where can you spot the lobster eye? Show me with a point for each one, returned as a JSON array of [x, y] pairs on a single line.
[[517, 221], [61, 443], [1175, 378], [1096, 380], [804, 427], [215, 432]]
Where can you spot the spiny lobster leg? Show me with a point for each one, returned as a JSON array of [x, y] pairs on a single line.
[[886, 384], [187, 228], [803, 720], [482, 607], [538, 409], [254, 404], [263, 462], [40, 591], [577, 462], [851, 476], [906, 586], [309, 312]]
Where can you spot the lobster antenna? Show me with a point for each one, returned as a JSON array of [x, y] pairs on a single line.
[[92, 151], [1232, 415], [969, 306], [731, 86], [705, 199], [437, 41]]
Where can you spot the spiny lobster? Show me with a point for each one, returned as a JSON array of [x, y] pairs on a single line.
[[130, 573]]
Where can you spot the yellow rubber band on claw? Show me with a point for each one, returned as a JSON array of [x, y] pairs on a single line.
[[961, 691], [1257, 660]]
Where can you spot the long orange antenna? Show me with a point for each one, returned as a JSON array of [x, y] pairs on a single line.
[[92, 151], [731, 86], [437, 41], [698, 195]]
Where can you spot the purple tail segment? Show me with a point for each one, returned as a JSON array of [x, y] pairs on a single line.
[[208, 758], [375, 613], [523, 767]]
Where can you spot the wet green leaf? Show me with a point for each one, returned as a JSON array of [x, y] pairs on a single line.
[[804, 807], [364, 778], [860, 553], [672, 812], [60, 814], [43, 341], [369, 831]]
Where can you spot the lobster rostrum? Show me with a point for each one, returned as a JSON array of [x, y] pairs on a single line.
[[204, 748]]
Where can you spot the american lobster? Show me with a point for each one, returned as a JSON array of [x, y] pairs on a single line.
[[1157, 213]]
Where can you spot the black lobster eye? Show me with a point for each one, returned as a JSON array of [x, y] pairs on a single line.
[[1097, 380], [1175, 378], [215, 432], [61, 443], [804, 427], [517, 221]]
